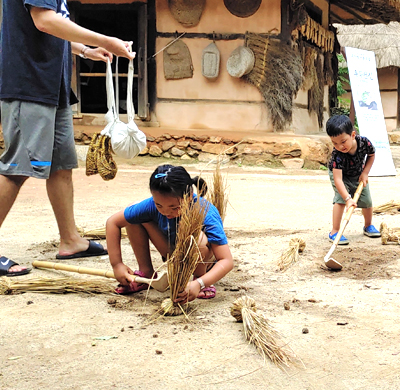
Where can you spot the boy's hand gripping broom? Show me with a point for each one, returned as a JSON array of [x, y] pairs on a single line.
[[330, 262]]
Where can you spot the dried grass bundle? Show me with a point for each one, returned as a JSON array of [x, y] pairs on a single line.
[[217, 193], [316, 92], [98, 233], [186, 256], [56, 286], [310, 71], [330, 63], [387, 207], [259, 332], [291, 255], [278, 75], [389, 235]]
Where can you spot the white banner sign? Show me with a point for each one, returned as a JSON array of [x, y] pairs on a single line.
[[368, 106]]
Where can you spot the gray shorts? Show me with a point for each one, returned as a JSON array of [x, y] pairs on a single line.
[[351, 184], [38, 139]]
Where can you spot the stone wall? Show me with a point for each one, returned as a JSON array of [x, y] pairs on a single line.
[[274, 151]]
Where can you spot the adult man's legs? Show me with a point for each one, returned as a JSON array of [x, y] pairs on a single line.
[[60, 192], [9, 189]]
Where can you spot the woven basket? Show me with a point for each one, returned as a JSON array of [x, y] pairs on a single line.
[[105, 163], [240, 62], [210, 61], [91, 156]]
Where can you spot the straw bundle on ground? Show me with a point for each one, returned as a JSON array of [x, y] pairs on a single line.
[[56, 286], [278, 75], [217, 192], [388, 207], [98, 232], [389, 235], [186, 256], [259, 332], [291, 255]]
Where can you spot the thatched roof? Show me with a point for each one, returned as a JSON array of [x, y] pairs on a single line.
[[364, 11], [383, 39]]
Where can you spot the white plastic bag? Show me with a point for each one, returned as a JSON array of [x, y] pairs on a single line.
[[127, 140]]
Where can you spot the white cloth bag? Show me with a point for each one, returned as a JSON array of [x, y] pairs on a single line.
[[127, 140]]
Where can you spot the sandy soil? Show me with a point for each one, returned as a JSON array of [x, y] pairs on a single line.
[[48, 341]]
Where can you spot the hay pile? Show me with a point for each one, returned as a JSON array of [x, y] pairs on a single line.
[[186, 256], [278, 75], [259, 332], [389, 235], [291, 255]]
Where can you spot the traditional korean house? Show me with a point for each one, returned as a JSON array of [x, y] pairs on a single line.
[[182, 82]]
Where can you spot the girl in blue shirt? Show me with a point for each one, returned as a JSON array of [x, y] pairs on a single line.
[[156, 219]]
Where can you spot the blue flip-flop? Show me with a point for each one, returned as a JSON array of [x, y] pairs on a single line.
[[6, 264], [95, 249]]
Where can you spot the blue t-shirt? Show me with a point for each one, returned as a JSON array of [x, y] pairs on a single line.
[[34, 66], [146, 211]]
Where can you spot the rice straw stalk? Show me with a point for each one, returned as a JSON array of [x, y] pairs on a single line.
[[56, 286], [388, 207], [98, 233], [217, 194], [259, 332], [291, 255], [186, 256]]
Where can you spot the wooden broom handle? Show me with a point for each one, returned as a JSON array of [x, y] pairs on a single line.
[[356, 197], [348, 213], [73, 268]]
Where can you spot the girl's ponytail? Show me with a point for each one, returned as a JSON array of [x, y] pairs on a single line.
[[200, 184]]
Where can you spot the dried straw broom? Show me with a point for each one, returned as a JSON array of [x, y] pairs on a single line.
[[259, 332], [56, 286], [98, 232], [391, 206], [291, 255], [186, 256], [389, 235], [277, 73]]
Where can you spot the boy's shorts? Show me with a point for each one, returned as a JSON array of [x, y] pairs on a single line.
[[38, 139], [351, 184]]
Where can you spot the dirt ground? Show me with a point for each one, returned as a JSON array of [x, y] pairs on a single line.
[[80, 341]]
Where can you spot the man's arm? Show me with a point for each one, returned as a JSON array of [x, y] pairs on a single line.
[[97, 54], [48, 21]]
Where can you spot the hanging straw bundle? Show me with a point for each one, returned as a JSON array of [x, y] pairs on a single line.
[[56, 286], [98, 233], [259, 332], [316, 92], [278, 75], [291, 255], [217, 191], [186, 256], [389, 235], [388, 207]]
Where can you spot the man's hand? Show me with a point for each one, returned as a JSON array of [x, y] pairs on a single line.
[[98, 54]]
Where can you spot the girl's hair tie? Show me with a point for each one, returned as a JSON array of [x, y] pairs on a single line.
[[160, 175]]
